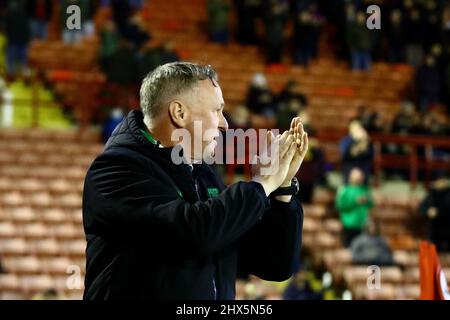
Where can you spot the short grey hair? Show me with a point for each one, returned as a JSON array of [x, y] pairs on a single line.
[[170, 80]]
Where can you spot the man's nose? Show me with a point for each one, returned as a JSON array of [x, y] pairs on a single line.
[[223, 123]]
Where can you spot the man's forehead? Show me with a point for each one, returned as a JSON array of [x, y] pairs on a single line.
[[206, 86]]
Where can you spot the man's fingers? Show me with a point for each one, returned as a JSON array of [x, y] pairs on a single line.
[[290, 152], [281, 139], [301, 130], [297, 137], [285, 145], [305, 145], [285, 135], [293, 123]]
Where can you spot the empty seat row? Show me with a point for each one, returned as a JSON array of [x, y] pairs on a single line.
[[43, 247]]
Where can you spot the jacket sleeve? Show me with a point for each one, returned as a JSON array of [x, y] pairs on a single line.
[[123, 202], [271, 249]]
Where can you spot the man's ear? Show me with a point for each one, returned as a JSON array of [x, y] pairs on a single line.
[[178, 113]]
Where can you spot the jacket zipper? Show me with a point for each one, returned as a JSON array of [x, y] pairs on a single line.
[[215, 288], [196, 188]]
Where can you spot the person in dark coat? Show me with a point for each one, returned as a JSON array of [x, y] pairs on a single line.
[[40, 12], [369, 248], [123, 65], [260, 99], [360, 43], [218, 12], [159, 221], [415, 37], [290, 92], [18, 34], [247, 13], [356, 150], [396, 37], [156, 54], [275, 18], [436, 208], [428, 83]]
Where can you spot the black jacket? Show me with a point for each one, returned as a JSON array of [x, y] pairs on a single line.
[[157, 230]]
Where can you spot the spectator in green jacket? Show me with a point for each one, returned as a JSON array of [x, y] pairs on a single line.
[[109, 43], [353, 202], [218, 20]]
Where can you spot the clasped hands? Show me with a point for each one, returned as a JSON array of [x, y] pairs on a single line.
[[285, 153]]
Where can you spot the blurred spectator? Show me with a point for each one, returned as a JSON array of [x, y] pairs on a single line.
[[168, 53], [432, 23], [356, 150], [286, 111], [339, 13], [150, 58], [369, 248], [360, 42], [289, 104], [122, 67], [136, 31], [370, 120], [300, 288], [306, 37], [247, 13], [18, 36], [3, 47], [414, 37], [428, 83], [115, 117], [437, 53], [405, 122], [257, 289], [436, 208], [40, 13], [259, 98], [49, 294], [121, 13], [290, 92], [396, 36], [155, 55], [109, 43], [275, 18], [334, 286], [317, 22], [218, 20], [306, 284], [436, 122], [353, 201]]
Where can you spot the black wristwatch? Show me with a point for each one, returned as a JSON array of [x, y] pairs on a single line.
[[288, 191]]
